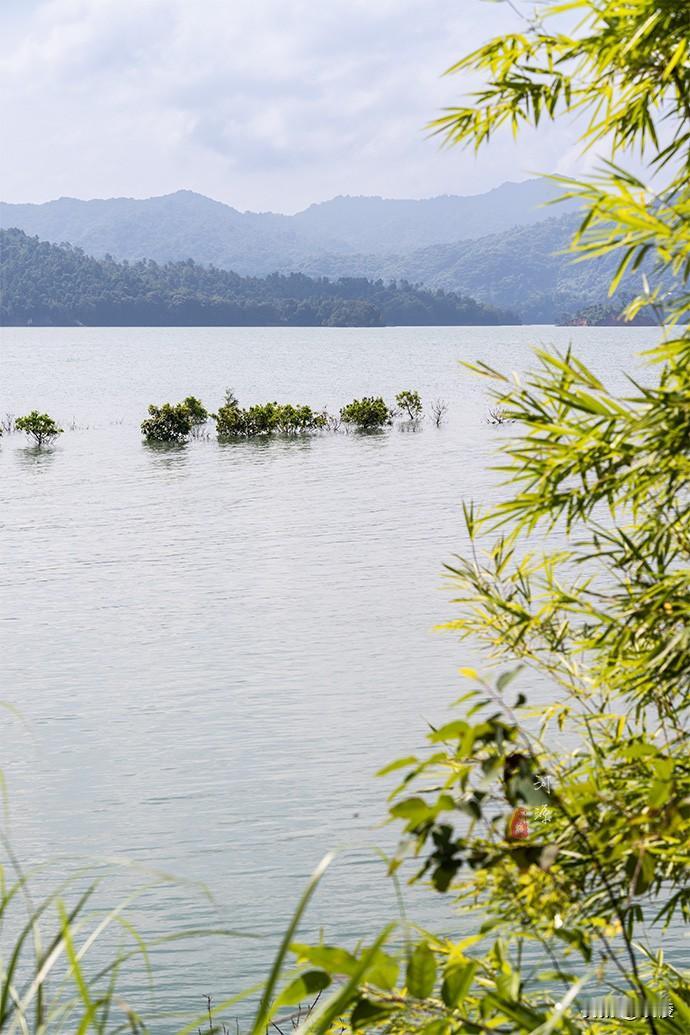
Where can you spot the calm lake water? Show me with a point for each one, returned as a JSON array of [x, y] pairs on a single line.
[[213, 648]]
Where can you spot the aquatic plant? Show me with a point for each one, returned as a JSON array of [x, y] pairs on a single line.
[[232, 421], [410, 403], [368, 413], [39, 426], [174, 422], [196, 410], [496, 415]]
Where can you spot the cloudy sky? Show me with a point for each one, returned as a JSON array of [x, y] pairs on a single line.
[[264, 104]]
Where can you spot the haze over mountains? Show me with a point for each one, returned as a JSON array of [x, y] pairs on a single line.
[[187, 225], [501, 247]]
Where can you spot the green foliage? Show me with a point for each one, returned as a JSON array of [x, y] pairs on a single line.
[[39, 426], [174, 422], [368, 414], [49, 284], [265, 419], [197, 411], [410, 403]]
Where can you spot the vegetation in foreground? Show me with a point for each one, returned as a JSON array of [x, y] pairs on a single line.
[[561, 830]]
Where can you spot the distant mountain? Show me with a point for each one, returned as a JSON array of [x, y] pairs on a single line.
[[47, 284], [526, 269], [379, 226], [177, 226], [188, 225], [505, 247]]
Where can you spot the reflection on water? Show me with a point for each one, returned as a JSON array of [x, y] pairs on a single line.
[[215, 646], [35, 458]]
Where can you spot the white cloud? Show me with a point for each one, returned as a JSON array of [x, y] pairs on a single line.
[[261, 103]]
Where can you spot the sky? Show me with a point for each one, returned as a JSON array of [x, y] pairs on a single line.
[[262, 104]]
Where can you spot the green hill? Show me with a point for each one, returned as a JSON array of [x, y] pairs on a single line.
[[48, 284], [523, 269]]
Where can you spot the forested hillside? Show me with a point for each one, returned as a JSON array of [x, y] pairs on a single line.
[[47, 284], [526, 269]]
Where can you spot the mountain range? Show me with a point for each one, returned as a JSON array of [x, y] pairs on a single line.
[[186, 225], [504, 247]]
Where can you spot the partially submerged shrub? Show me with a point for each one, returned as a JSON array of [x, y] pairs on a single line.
[[410, 403], [39, 426], [265, 419], [231, 418], [174, 422], [293, 419], [197, 411], [367, 413]]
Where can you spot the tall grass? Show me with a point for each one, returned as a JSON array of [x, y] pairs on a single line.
[[63, 956], [63, 971]]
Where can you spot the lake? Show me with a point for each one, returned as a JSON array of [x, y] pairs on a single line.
[[213, 648]]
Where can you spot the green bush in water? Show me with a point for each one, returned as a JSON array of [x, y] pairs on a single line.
[[197, 411], [265, 419], [39, 426], [174, 422], [410, 403], [367, 414]]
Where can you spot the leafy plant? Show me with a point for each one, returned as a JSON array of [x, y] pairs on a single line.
[[410, 403], [171, 422], [265, 419], [293, 419], [261, 419], [196, 410], [174, 422], [368, 414], [39, 426], [230, 418]]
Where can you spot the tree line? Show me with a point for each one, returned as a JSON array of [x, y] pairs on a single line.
[[46, 284]]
